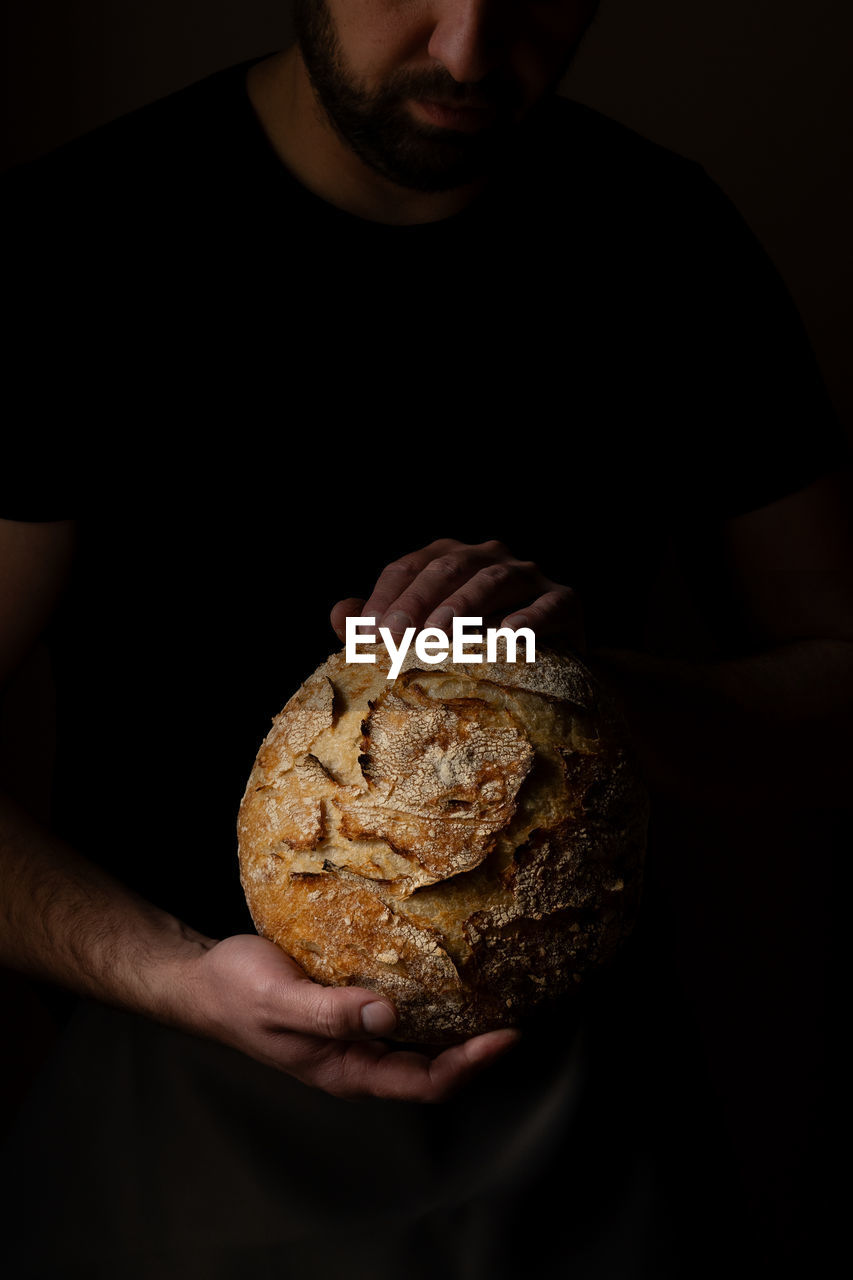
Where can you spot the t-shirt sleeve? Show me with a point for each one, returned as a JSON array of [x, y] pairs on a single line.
[[750, 384], [48, 438]]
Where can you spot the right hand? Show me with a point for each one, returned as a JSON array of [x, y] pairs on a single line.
[[448, 579], [247, 993]]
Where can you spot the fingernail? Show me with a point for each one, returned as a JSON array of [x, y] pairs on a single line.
[[442, 618], [397, 622], [517, 620], [378, 1018]]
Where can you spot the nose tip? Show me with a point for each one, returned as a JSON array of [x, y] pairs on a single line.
[[466, 40]]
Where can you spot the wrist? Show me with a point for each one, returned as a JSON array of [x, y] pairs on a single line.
[[168, 986]]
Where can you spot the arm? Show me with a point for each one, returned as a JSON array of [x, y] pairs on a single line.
[[753, 751], [774, 722], [749, 897], [65, 920]]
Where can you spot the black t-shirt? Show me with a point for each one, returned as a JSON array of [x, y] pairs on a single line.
[[272, 398]]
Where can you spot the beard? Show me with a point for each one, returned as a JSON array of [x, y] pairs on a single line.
[[379, 128]]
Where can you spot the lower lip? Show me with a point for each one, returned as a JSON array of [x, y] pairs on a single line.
[[468, 119]]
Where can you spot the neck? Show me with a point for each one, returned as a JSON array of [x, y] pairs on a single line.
[[304, 138]]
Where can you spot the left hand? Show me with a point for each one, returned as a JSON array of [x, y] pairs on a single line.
[[448, 579]]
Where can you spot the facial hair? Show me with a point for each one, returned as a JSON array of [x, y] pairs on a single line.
[[379, 127]]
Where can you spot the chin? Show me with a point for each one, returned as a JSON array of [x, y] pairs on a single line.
[[433, 159]]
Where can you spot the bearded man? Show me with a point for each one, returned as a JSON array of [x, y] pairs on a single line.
[[315, 313], [376, 98]]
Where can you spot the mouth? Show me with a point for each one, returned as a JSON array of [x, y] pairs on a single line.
[[466, 119]]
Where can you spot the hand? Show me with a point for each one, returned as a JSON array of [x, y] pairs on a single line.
[[247, 993], [448, 579]]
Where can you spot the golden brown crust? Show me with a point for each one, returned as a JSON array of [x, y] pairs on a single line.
[[466, 839], [441, 778]]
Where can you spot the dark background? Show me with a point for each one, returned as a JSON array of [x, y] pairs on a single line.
[[755, 90]]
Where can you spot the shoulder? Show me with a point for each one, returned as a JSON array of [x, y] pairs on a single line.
[[169, 139], [130, 203], [657, 213], [674, 271], [623, 181], [611, 150]]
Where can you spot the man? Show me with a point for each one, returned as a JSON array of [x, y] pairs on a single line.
[[344, 256]]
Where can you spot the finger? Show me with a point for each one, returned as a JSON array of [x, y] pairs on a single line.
[[349, 608], [439, 580], [459, 1064], [297, 1004], [557, 612], [377, 1070], [398, 575], [494, 587]]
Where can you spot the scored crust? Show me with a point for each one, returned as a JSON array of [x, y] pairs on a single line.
[[466, 839]]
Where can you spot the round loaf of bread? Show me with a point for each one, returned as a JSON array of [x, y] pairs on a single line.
[[466, 839]]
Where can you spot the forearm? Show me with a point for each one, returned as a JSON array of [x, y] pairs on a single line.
[[65, 920], [776, 726]]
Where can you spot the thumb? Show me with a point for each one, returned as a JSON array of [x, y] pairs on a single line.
[[338, 1013]]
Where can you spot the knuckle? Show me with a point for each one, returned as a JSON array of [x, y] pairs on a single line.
[[406, 565], [497, 574], [564, 595], [442, 545], [269, 999], [332, 1020], [495, 547], [446, 566]]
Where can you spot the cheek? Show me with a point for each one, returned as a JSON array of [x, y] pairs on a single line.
[[377, 34]]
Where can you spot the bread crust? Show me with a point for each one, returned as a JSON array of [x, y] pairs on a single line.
[[467, 839]]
